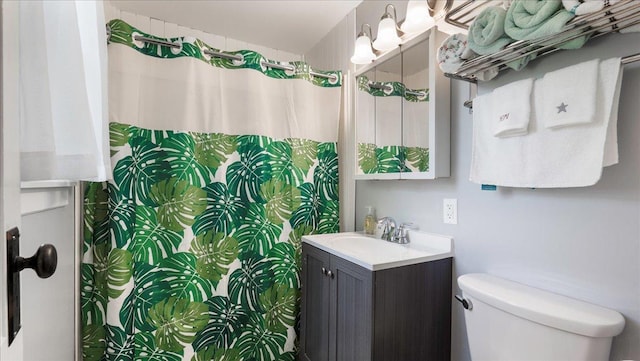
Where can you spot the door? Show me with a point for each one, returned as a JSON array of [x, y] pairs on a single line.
[[314, 345], [47, 314], [10, 164], [351, 312]]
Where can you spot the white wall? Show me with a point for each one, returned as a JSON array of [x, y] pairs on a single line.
[[581, 242]]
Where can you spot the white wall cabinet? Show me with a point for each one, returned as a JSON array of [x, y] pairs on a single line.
[[402, 113]]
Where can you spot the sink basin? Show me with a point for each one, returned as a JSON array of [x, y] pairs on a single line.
[[376, 254]]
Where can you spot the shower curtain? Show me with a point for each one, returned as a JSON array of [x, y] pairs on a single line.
[[192, 251]]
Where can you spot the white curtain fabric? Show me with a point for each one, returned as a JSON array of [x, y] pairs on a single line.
[[63, 78], [189, 95]]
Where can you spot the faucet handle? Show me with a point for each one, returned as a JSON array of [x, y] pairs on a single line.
[[402, 237]]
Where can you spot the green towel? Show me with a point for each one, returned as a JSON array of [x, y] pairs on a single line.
[[486, 34], [534, 19]]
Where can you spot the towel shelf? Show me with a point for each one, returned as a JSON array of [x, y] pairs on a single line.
[[615, 17]]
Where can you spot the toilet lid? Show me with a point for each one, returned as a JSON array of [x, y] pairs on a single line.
[[543, 307]]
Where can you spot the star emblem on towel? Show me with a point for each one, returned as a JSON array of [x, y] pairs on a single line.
[[562, 107]]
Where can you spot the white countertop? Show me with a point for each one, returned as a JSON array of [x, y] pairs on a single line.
[[375, 254]]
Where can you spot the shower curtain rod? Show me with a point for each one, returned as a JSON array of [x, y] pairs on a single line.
[[237, 57]]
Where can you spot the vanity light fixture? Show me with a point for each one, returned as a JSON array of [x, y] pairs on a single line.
[[418, 17], [388, 37], [363, 54]]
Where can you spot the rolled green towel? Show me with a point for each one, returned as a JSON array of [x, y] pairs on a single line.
[[534, 19], [486, 34]]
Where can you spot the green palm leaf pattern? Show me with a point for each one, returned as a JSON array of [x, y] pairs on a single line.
[[367, 160], [119, 344], [180, 150], [182, 278], [93, 297], [93, 342], [146, 349], [253, 278], [177, 321], [213, 149], [182, 262], [119, 135], [215, 253], [135, 174], [245, 176], [149, 289], [121, 216], [259, 342], [121, 32], [386, 159], [282, 199], [96, 219], [119, 273], [329, 218], [261, 141], [151, 135], [284, 265], [309, 211], [224, 210], [217, 354], [418, 158], [178, 203], [226, 320], [282, 166], [325, 176], [257, 233], [304, 152], [152, 242], [281, 307]]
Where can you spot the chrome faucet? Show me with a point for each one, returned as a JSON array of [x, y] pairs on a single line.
[[392, 233], [388, 228]]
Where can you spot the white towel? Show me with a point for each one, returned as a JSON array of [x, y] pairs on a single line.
[[611, 143], [569, 95], [511, 108], [547, 158], [452, 53]]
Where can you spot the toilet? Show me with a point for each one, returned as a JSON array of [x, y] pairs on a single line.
[[508, 321]]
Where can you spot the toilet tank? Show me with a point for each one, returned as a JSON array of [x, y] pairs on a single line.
[[508, 321]]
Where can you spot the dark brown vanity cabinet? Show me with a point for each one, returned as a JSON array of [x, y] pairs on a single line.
[[350, 313]]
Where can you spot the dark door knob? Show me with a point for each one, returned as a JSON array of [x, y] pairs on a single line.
[[44, 262]]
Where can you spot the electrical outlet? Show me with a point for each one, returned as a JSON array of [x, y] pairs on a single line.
[[450, 211]]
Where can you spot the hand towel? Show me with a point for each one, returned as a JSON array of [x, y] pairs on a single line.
[[545, 158], [452, 53], [582, 7], [569, 95], [486, 34], [511, 108], [534, 19], [611, 142]]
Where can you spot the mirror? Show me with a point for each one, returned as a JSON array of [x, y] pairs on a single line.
[[402, 113], [379, 128], [415, 111]]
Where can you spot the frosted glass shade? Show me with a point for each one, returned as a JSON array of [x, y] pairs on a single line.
[[387, 35], [418, 18], [363, 54]]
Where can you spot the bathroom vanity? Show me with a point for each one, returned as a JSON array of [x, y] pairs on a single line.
[[368, 299]]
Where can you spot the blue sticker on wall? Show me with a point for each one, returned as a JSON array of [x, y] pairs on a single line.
[[489, 187]]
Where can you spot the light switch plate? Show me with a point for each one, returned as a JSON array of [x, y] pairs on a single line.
[[450, 211]]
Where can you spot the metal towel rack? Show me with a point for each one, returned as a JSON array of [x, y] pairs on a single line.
[[612, 18]]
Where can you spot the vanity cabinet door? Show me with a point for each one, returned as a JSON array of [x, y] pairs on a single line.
[[314, 321], [351, 311]]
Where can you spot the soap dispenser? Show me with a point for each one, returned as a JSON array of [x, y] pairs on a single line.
[[370, 221]]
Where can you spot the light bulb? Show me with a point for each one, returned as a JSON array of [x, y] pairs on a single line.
[[418, 18], [387, 35], [363, 54]]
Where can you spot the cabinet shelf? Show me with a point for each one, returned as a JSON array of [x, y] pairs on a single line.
[[610, 19]]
